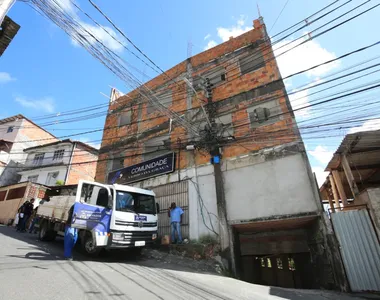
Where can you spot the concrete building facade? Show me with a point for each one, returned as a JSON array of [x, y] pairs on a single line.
[[16, 134], [63, 162], [271, 227]]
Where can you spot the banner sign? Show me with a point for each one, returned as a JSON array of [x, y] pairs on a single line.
[[91, 217], [154, 167]]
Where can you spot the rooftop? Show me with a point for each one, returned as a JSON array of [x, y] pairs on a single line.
[[363, 154], [20, 117], [69, 141]]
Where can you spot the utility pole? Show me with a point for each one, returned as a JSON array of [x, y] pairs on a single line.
[[212, 143]]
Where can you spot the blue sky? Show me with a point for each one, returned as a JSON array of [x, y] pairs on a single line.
[[44, 72]]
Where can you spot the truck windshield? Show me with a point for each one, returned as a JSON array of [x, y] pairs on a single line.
[[133, 202]]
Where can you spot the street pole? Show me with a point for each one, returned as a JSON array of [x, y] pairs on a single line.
[[212, 144]]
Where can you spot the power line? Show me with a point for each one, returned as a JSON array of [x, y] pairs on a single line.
[[308, 23], [286, 3]]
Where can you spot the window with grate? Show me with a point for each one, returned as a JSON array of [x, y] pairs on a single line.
[[58, 154], [262, 262], [251, 63], [125, 118], [52, 178], [291, 264], [259, 115], [33, 178], [117, 163], [279, 263], [10, 129], [38, 158]]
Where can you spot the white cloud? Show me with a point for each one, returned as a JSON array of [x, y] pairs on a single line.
[[99, 34], [224, 33], [210, 44], [303, 57], [44, 104], [367, 126], [86, 141], [288, 83], [322, 154], [233, 31], [320, 174], [96, 31], [300, 100], [6, 77]]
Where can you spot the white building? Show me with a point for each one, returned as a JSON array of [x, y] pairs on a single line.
[[16, 134], [62, 162]]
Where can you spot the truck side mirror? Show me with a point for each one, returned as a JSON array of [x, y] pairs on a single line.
[[110, 201], [157, 208]]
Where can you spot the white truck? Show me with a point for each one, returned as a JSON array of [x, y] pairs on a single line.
[[107, 216]]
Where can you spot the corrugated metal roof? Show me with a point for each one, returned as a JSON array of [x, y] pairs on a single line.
[[366, 141]]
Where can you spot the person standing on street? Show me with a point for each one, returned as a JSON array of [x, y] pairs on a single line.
[[175, 214], [71, 236], [34, 219], [28, 211], [21, 216]]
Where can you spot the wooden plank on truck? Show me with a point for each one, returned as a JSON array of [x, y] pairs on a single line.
[[57, 208]]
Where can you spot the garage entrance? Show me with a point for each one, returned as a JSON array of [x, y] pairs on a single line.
[[276, 253]]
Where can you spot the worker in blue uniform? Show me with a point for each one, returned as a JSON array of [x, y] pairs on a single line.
[[71, 236]]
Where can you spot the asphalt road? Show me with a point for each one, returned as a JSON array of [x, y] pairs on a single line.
[[30, 269]]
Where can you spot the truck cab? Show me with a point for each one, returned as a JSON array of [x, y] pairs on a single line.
[[106, 216]]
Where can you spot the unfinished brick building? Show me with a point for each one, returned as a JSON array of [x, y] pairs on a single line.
[[272, 206]]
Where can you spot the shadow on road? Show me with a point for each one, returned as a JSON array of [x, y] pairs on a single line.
[[53, 251]]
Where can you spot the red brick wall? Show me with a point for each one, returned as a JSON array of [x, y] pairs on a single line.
[[84, 171], [33, 132], [266, 136]]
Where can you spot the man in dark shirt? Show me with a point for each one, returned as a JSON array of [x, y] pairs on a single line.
[[25, 211], [28, 211]]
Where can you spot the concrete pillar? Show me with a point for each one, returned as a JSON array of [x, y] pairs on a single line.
[[349, 176], [335, 192], [340, 188]]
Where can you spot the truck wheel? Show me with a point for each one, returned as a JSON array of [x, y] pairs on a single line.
[[89, 246], [46, 234]]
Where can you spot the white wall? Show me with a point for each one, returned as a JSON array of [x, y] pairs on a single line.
[[49, 153], [254, 188], [202, 206], [273, 188], [43, 174], [10, 136]]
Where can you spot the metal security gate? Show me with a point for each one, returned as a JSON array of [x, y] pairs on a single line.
[[359, 247], [177, 192]]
